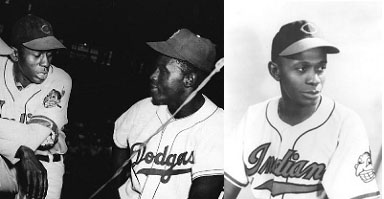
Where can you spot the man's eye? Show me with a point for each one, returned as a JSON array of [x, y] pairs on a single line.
[[301, 69], [322, 68]]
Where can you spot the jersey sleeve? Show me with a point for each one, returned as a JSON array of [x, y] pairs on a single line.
[[52, 111], [55, 104], [209, 151], [123, 126], [350, 173], [14, 134], [234, 163]]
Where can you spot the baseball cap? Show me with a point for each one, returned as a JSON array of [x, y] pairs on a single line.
[[35, 33], [187, 46], [4, 48], [299, 36]]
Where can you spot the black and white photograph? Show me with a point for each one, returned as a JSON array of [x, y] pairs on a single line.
[[303, 99], [111, 99]]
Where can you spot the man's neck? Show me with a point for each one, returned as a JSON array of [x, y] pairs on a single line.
[[194, 105], [294, 113], [19, 77]]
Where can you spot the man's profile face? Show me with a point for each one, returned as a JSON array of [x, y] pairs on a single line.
[[167, 81], [34, 65], [302, 76]]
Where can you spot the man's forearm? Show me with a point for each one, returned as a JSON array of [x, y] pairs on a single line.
[[208, 187], [31, 135], [119, 157]]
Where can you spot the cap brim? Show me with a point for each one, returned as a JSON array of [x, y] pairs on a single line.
[[309, 43], [44, 43], [164, 48], [4, 48]]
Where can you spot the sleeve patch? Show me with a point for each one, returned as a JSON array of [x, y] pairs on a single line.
[[364, 168], [53, 98]]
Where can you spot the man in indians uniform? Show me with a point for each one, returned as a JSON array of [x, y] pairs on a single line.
[[28, 167], [302, 144], [185, 159], [34, 98]]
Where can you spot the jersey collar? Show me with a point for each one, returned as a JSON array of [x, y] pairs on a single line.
[[203, 113], [320, 116]]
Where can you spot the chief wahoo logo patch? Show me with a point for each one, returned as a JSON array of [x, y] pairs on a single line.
[[53, 99], [364, 167]]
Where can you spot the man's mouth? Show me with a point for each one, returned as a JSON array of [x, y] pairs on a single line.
[[313, 92], [153, 87], [42, 75]]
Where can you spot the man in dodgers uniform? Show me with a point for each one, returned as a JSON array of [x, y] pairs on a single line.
[[185, 159], [302, 144], [33, 104]]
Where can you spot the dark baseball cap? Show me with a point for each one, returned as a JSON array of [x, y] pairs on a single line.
[[299, 36], [4, 48], [35, 33], [187, 46]]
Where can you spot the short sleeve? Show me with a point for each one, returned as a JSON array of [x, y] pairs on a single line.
[[209, 151], [55, 103], [14, 134], [234, 163], [350, 173], [123, 126]]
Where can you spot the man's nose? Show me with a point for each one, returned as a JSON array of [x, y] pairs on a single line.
[[45, 62], [155, 74], [314, 78]]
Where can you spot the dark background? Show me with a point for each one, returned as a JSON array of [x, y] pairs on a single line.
[[110, 65]]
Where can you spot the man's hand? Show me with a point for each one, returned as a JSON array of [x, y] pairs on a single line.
[[31, 174]]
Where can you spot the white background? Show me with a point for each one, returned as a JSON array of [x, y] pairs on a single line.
[[353, 76]]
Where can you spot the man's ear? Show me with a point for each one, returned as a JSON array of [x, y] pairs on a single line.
[[274, 70], [15, 54], [190, 79]]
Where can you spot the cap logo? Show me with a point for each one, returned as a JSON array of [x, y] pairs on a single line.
[[308, 28], [45, 29], [175, 34]]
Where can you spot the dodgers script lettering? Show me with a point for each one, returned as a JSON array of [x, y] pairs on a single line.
[[164, 159]]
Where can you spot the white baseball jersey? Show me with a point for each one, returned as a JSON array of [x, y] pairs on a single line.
[[45, 104], [327, 155], [186, 149]]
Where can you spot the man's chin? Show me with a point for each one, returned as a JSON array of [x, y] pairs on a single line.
[[156, 101]]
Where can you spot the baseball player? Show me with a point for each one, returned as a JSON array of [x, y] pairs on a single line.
[[185, 159], [302, 144], [29, 168], [34, 93]]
